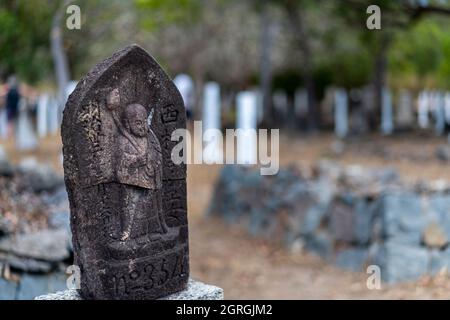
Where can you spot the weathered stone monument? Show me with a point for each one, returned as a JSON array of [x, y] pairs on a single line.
[[127, 197]]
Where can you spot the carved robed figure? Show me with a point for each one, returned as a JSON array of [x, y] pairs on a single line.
[[127, 197]]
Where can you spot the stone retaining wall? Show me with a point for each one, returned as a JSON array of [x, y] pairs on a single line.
[[349, 216], [35, 239]]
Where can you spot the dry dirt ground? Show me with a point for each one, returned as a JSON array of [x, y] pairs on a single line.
[[250, 268]]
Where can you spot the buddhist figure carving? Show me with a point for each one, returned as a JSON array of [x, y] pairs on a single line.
[[127, 198]]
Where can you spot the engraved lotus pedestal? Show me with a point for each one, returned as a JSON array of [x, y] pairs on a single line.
[[127, 197]]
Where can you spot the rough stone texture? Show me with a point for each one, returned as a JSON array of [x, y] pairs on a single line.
[[364, 219], [5, 227], [342, 219], [320, 243], [26, 264], [35, 285], [438, 206], [353, 259], [400, 262], [195, 291], [350, 216], [38, 177], [34, 238], [434, 236], [48, 245], [402, 216], [60, 220], [443, 153], [6, 168], [31, 285], [127, 197], [439, 261], [7, 290]]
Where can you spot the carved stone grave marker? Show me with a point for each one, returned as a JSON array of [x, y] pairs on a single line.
[[127, 197]]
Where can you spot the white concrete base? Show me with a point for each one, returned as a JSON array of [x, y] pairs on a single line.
[[195, 291]]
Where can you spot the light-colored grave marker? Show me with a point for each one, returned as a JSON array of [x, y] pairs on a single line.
[[42, 121], [25, 137], [212, 137], [340, 113], [423, 109], [387, 123], [404, 110], [246, 128], [185, 85]]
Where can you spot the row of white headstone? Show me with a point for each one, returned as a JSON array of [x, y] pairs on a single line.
[[434, 104], [249, 113], [47, 114], [48, 120], [431, 105], [248, 104], [211, 98], [25, 135]]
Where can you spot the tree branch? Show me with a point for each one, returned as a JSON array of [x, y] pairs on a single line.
[[417, 12]]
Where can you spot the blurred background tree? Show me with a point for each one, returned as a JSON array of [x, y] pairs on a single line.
[[273, 44], [396, 18], [24, 41]]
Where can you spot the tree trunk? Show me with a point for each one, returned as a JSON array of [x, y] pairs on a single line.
[[199, 84], [59, 55], [379, 82], [313, 110], [266, 65], [297, 21]]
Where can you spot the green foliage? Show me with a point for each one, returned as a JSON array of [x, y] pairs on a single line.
[[24, 41], [444, 69], [158, 13], [102, 32], [288, 80], [351, 69], [205, 35], [422, 51]]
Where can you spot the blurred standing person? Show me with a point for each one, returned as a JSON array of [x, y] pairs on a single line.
[[3, 116], [25, 136], [12, 104]]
